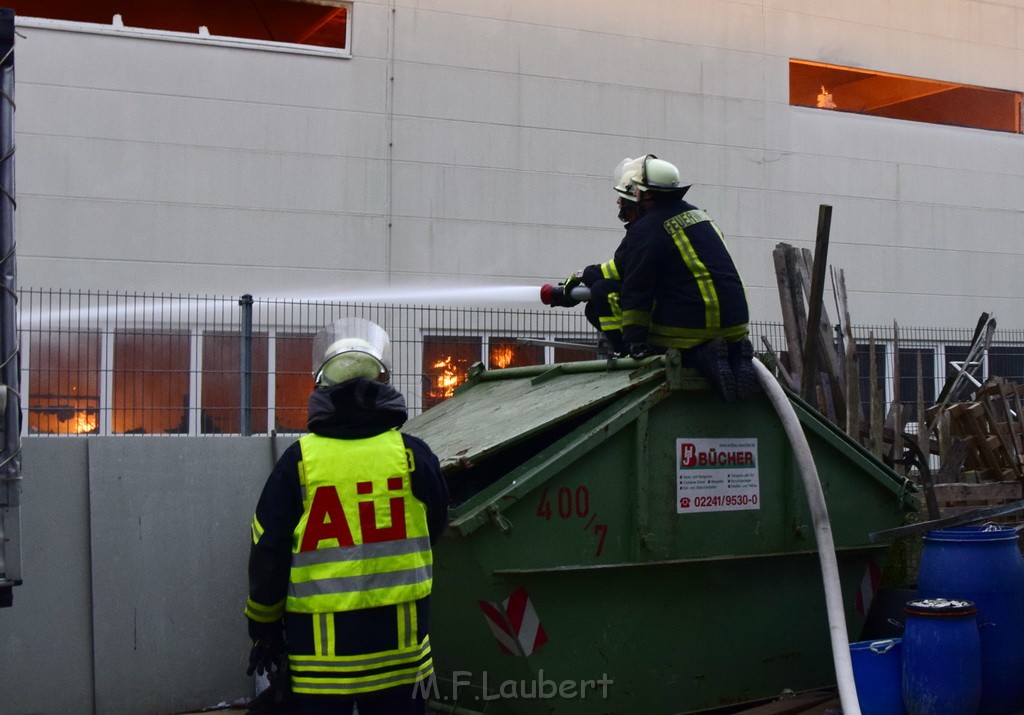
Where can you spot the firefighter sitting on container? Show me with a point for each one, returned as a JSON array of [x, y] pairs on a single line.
[[340, 565], [680, 287], [602, 309]]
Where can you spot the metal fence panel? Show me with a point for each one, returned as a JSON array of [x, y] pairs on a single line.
[[131, 363]]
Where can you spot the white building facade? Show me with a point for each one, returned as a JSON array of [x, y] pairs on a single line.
[[469, 143]]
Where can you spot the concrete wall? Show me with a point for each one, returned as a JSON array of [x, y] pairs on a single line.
[[470, 142], [134, 575]]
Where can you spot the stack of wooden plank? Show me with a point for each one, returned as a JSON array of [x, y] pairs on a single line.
[[813, 361], [959, 497], [978, 440], [820, 361], [991, 428]]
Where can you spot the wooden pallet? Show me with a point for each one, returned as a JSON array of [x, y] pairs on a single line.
[[992, 425], [961, 497]]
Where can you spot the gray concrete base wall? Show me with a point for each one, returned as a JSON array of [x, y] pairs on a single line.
[[134, 564]]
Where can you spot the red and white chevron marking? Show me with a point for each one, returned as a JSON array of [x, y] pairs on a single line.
[[515, 624], [868, 587]]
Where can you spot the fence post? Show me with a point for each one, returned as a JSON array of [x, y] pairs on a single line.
[[246, 395], [10, 368]]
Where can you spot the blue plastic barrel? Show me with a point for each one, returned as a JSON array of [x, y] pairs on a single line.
[[941, 658], [878, 672], [983, 564]]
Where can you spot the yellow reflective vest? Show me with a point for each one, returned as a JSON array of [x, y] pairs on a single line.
[[363, 539]]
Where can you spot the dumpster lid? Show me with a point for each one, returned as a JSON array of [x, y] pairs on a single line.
[[498, 408]]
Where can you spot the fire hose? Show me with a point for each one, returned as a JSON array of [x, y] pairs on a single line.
[[823, 536], [556, 295]]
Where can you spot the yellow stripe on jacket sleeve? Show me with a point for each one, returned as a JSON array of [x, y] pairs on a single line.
[[636, 317], [610, 270], [257, 530], [264, 614]]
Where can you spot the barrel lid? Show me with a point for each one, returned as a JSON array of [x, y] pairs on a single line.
[[939, 607], [986, 533]]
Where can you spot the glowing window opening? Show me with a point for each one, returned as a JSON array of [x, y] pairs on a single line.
[[882, 94], [508, 352], [65, 391], [221, 398], [446, 363], [151, 382], [448, 358], [293, 381], [314, 27]]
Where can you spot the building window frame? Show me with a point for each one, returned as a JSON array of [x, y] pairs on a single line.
[[858, 90], [200, 37]]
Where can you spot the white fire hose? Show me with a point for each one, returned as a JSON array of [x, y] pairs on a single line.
[[550, 295], [823, 535]]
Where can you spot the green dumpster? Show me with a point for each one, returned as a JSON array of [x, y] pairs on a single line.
[[623, 541]]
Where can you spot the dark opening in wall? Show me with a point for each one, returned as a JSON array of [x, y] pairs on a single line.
[[881, 94]]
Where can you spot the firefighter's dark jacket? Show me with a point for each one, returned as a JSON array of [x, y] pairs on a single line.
[[356, 409], [591, 274], [680, 286]]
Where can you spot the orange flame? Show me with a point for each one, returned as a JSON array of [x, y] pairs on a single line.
[[448, 380], [502, 356], [83, 422], [825, 100]]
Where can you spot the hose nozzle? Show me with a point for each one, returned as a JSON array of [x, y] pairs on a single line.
[[556, 295]]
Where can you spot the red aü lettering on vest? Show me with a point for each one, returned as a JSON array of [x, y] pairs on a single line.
[[327, 517]]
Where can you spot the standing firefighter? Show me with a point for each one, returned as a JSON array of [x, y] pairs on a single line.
[[340, 564], [680, 287]]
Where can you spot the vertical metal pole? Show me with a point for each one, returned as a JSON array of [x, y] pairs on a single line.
[[10, 370], [246, 397]]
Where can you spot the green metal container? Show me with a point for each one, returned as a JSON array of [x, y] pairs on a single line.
[[624, 541]]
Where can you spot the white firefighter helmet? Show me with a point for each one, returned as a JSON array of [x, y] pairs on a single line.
[[349, 348], [624, 177], [656, 174]]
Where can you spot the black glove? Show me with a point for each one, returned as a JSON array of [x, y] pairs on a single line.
[[638, 351], [560, 296], [268, 653]]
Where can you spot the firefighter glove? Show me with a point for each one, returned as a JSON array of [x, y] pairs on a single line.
[[268, 653], [574, 280], [560, 296], [638, 351]]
